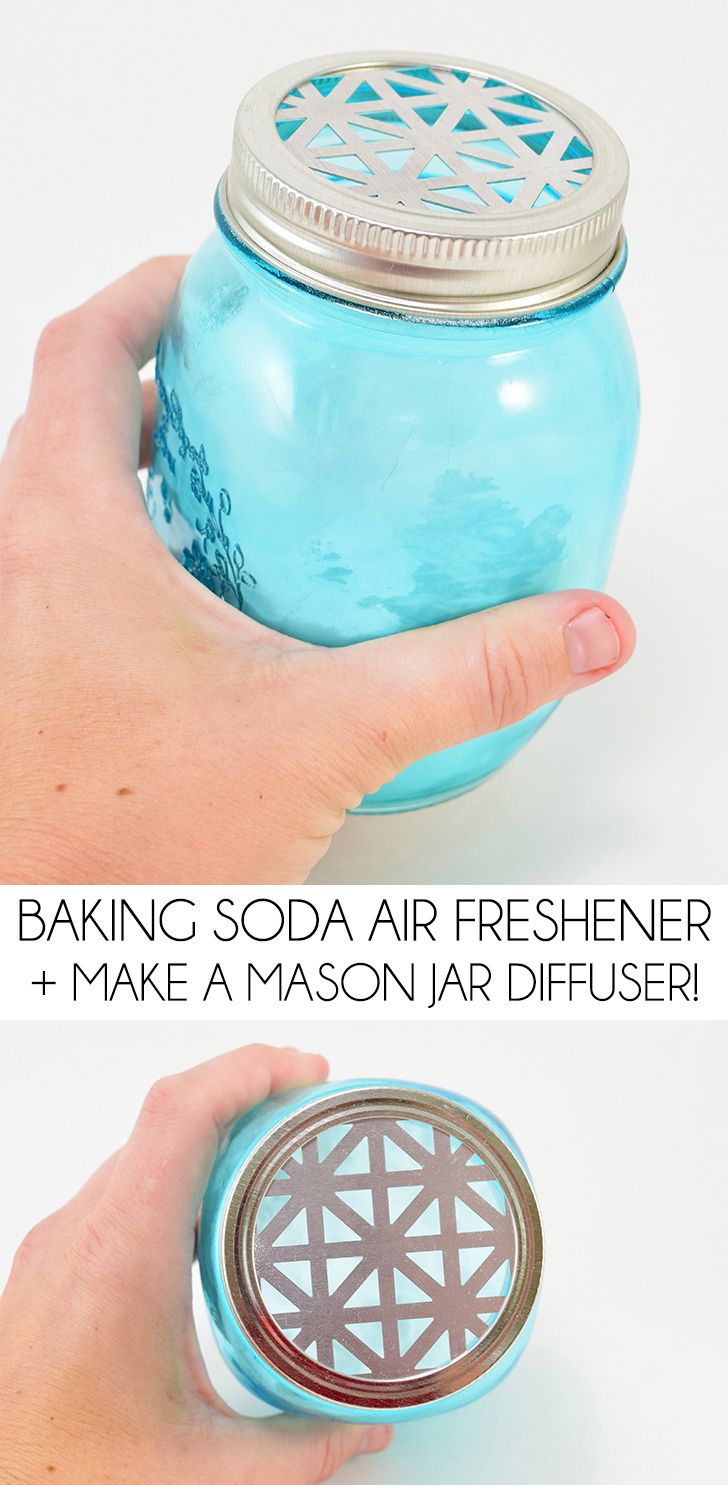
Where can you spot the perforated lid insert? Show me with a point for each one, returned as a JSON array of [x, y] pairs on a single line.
[[440, 138], [384, 1248]]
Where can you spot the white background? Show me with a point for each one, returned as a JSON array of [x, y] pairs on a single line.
[[623, 1381], [115, 123]]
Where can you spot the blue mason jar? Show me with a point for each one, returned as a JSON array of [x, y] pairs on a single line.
[[370, 1251], [396, 385]]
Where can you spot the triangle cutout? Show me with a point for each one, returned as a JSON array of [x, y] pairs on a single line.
[[275, 1302], [296, 1232], [287, 127], [511, 118], [507, 189], [346, 162], [428, 1224], [367, 1294], [424, 1133], [407, 1293], [356, 1162], [370, 1332], [405, 90], [430, 1263], [336, 1231], [360, 1202], [491, 1192], [399, 1198], [537, 142], [437, 1356], [397, 1159], [498, 1284], [327, 1141], [546, 197], [325, 85], [467, 1220], [434, 167], [338, 1269], [325, 136], [410, 1331], [470, 1260], [430, 112], [395, 159], [364, 94], [299, 1272], [373, 136], [269, 1208], [346, 1362], [468, 123]]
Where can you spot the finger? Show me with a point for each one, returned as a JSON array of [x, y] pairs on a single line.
[[293, 1451], [149, 409], [156, 1187], [417, 692], [85, 384]]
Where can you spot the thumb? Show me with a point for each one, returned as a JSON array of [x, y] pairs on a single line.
[[295, 1451], [425, 689]]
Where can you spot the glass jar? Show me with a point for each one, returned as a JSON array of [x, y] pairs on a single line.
[[396, 385], [370, 1251]]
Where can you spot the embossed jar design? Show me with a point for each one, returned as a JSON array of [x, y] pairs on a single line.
[[396, 385], [370, 1250]]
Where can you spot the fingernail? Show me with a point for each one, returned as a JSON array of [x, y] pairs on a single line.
[[592, 641], [376, 1439]]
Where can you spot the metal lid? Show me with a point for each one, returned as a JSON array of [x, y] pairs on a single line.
[[382, 1248], [426, 185]]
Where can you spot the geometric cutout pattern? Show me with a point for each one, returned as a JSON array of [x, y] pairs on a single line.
[[441, 138], [392, 1252]]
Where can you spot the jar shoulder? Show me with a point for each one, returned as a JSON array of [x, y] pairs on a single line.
[[227, 300]]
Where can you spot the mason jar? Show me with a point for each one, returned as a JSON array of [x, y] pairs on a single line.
[[370, 1251], [395, 385]]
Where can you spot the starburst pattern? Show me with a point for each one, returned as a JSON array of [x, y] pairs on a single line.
[[384, 1248], [443, 138]]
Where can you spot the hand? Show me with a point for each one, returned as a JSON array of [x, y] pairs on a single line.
[[150, 732], [101, 1376]]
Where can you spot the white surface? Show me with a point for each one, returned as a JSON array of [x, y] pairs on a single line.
[[116, 123], [623, 1128]]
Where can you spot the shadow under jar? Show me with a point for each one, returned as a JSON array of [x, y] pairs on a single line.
[[396, 385], [370, 1251]]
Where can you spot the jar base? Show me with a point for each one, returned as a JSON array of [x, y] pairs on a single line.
[[459, 770]]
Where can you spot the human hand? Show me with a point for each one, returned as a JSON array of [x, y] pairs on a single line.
[[152, 733], [101, 1376]]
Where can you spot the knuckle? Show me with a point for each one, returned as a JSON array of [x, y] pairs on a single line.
[[57, 337], [94, 1245], [35, 1243], [511, 681], [164, 1099]]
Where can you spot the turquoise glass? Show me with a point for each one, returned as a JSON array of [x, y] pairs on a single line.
[[454, 1227], [339, 473]]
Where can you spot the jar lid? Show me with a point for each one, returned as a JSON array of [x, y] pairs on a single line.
[[426, 185], [382, 1247]]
